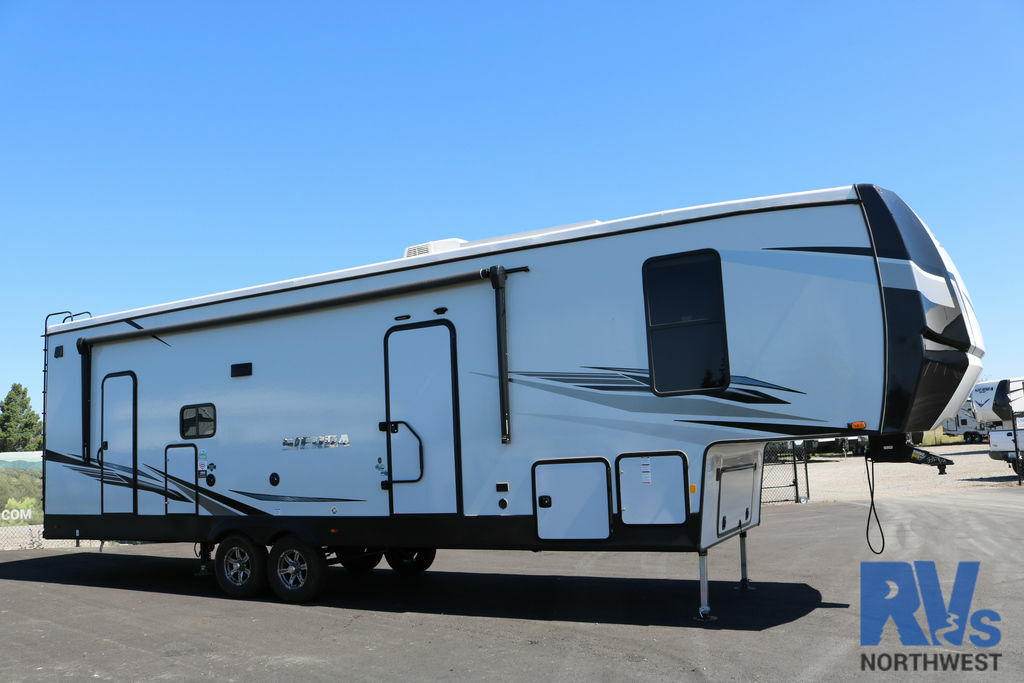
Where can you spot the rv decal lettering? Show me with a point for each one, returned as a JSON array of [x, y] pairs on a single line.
[[291, 443]]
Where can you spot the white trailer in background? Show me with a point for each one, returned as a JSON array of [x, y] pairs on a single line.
[[608, 385], [965, 424], [1001, 404]]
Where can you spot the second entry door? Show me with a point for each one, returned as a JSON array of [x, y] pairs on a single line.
[[422, 419], [117, 448]]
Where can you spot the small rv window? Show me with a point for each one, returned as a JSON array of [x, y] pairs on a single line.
[[684, 305], [199, 421]]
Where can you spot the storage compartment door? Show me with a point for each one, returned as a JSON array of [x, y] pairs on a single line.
[[652, 488], [572, 500], [735, 497]]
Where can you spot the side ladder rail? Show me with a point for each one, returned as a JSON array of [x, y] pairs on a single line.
[[68, 316]]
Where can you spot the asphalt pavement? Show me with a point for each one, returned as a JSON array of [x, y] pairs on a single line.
[[136, 612]]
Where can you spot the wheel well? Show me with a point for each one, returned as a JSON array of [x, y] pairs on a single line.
[[277, 535], [221, 535]]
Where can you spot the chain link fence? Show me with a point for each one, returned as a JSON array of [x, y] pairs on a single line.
[[21, 537], [784, 479], [30, 536]]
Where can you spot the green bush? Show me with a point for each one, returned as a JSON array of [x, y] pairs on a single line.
[[22, 489], [30, 506]]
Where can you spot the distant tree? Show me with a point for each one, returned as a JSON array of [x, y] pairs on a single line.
[[20, 429], [19, 483]]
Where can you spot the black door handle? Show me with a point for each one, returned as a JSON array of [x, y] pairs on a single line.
[[544, 502], [392, 428]]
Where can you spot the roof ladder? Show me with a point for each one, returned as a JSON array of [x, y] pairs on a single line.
[[68, 317]]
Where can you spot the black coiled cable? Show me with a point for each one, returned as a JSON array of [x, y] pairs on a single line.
[[872, 512]]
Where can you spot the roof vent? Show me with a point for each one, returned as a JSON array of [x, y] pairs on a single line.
[[435, 247]]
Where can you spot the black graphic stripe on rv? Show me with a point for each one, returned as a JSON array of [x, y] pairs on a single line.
[[220, 498], [852, 251], [114, 478], [270, 497], [778, 428], [638, 380], [140, 327], [113, 475], [191, 495], [54, 456], [644, 401], [750, 381]]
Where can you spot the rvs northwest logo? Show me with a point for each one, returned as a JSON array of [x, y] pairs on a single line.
[[897, 590]]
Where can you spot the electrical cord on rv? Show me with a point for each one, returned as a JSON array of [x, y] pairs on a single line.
[[872, 512]]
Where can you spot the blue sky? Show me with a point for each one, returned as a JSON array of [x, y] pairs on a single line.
[[157, 151]]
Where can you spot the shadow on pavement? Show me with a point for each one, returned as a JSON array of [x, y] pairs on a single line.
[[994, 480], [615, 600], [634, 601]]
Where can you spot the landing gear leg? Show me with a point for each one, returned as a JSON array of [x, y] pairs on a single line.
[[704, 613], [744, 579], [205, 550]]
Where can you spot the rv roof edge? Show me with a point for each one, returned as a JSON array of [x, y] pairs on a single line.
[[824, 197], [292, 309]]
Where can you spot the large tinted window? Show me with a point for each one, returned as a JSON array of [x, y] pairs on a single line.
[[686, 322]]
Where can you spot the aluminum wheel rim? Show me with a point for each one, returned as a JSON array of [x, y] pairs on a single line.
[[237, 566], [292, 569]]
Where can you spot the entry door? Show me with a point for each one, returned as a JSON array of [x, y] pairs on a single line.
[[422, 423], [117, 442]]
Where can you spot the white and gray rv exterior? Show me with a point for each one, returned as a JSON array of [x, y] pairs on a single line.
[[965, 424], [1000, 403], [607, 385]]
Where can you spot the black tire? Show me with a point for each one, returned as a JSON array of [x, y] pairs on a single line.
[[410, 561], [1017, 466], [240, 566], [296, 570], [969, 437], [358, 561]]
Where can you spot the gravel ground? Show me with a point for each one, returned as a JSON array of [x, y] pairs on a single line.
[[844, 479]]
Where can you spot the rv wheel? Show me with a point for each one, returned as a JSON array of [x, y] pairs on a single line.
[[296, 570], [240, 566], [1018, 467], [358, 560], [410, 561]]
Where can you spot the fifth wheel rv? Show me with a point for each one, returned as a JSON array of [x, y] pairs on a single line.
[[1001, 404], [965, 424], [600, 386]]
